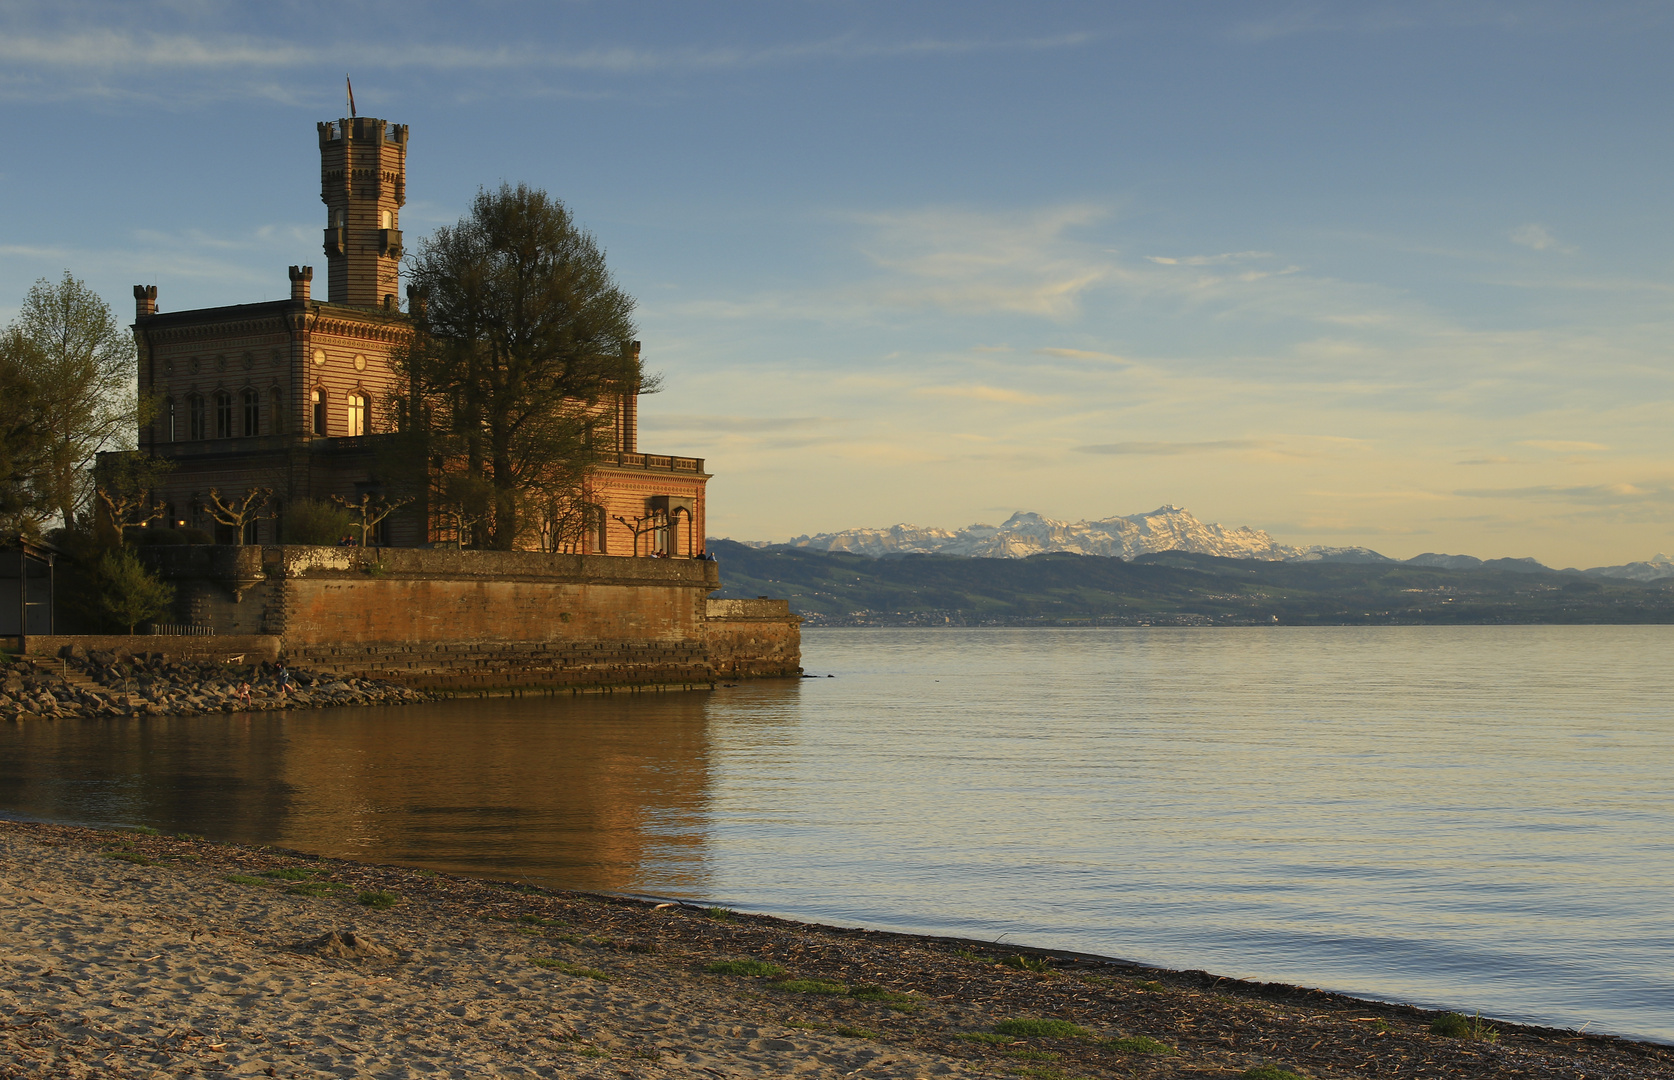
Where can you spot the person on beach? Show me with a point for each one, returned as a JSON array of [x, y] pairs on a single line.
[[244, 693], [284, 680]]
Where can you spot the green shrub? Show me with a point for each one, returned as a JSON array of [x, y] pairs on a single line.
[[310, 521], [290, 873], [1027, 963], [378, 898], [1459, 1026]]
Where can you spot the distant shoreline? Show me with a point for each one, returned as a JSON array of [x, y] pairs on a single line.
[[142, 948]]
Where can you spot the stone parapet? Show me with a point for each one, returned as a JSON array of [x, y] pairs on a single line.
[[753, 638]]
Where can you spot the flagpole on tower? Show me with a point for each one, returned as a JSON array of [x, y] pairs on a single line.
[[351, 87]]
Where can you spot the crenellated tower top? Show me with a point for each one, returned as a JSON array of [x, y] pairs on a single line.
[[363, 182]]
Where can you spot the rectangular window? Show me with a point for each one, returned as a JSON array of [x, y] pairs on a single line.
[[174, 431], [357, 414], [196, 418], [252, 413], [251, 533], [223, 416], [319, 412]]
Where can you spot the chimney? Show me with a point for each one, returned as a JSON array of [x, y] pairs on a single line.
[[301, 279], [145, 301]]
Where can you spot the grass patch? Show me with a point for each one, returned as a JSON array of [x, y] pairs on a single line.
[[1140, 1044], [893, 999], [593, 1052], [131, 857], [1460, 1026], [143, 830], [1041, 1029], [1041, 1072], [719, 914], [1151, 985], [812, 986], [246, 879], [378, 898], [744, 967], [855, 1033], [291, 873], [972, 954], [314, 888], [568, 968], [1033, 1055], [1269, 1072], [1027, 963], [985, 1037], [188, 836]]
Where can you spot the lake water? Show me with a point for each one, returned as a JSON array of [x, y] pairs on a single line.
[[1470, 817]]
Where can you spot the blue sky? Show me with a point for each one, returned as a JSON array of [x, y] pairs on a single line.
[[1399, 275]]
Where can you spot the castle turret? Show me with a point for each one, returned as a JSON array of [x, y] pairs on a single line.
[[363, 182]]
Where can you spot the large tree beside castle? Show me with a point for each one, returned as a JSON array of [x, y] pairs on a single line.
[[78, 362], [521, 333]]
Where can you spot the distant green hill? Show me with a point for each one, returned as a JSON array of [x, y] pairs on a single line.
[[1169, 588]]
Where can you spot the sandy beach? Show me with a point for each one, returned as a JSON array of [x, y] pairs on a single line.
[[124, 953]]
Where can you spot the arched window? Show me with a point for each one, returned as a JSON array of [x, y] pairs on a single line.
[[319, 412], [276, 411], [387, 220], [357, 413], [169, 418], [223, 415], [196, 422], [252, 413]]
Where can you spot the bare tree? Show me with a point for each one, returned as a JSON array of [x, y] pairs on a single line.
[[650, 523], [125, 485], [238, 513], [372, 510]]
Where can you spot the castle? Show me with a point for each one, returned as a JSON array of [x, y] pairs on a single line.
[[293, 395]]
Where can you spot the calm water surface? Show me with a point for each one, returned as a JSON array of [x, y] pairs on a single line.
[[1475, 817]]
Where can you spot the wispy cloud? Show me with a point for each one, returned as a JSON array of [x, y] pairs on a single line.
[[980, 393], [1562, 445], [1617, 494], [1208, 260], [1169, 449], [1537, 237]]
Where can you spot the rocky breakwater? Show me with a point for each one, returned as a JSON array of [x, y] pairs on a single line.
[[102, 684]]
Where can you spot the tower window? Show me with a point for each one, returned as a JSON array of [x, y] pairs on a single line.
[[388, 220], [252, 413], [319, 412], [223, 415], [196, 421], [357, 414], [337, 219]]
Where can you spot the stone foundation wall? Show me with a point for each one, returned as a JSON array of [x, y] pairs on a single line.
[[483, 621], [253, 648], [753, 638]]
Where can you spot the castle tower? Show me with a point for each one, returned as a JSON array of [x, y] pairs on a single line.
[[363, 182]]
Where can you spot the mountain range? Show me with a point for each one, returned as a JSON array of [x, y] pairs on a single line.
[[1167, 528]]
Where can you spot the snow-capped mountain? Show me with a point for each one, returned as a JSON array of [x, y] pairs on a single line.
[[1654, 570], [1167, 528]]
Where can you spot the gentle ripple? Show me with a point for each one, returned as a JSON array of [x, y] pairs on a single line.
[[1475, 817]]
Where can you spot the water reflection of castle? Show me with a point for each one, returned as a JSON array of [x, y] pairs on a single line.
[[603, 794]]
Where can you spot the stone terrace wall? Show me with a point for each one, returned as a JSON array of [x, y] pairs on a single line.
[[465, 621], [754, 638], [253, 648]]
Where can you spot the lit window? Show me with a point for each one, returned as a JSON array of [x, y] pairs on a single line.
[[388, 220], [319, 412], [357, 414]]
